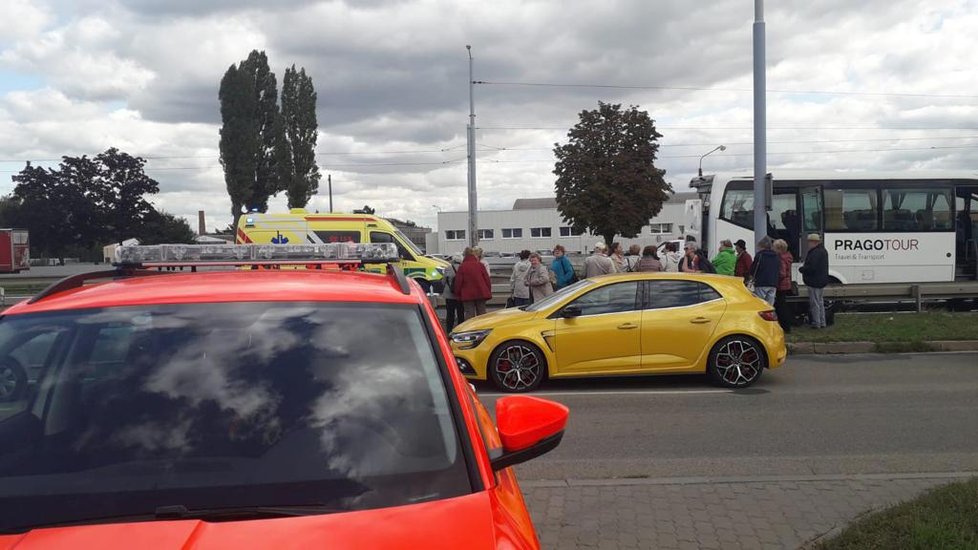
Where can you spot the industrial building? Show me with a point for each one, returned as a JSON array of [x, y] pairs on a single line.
[[535, 224]]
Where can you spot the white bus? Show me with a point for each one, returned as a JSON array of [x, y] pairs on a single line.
[[903, 227]]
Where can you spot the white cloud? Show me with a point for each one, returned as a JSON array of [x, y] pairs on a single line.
[[143, 75]]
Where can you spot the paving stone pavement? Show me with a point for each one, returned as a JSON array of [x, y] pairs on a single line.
[[747, 513]]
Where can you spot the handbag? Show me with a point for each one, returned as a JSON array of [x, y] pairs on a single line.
[[749, 283]]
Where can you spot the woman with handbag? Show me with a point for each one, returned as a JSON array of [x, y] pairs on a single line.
[[562, 269], [538, 279]]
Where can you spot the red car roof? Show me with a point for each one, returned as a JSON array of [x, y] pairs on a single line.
[[228, 286]]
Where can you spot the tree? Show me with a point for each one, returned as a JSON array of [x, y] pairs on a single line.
[[365, 210], [55, 211], [84, 203], [254, 148], [239, 137], [607, 182], [299, 113], [273, 157], [163, 227]]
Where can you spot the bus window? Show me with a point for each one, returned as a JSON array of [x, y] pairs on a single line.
[[738, 207], [851, 210], [917, 210]]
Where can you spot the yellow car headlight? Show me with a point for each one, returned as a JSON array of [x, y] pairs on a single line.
[[469, 339]]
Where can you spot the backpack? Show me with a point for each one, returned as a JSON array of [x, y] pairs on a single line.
[[706, 266]]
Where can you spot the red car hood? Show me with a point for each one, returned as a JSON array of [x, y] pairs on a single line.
[[474, 521]]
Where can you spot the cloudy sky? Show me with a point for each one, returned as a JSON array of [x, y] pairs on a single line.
[[876, 84]]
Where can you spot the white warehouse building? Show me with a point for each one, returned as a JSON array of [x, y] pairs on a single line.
[[535, 224]]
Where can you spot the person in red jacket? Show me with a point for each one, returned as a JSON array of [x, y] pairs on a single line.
[[744, 261], [472, 285]]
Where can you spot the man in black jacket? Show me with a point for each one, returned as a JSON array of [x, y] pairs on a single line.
[[815, 273]]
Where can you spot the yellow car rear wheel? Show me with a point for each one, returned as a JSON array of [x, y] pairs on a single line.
[[736, 361], [517, 366]]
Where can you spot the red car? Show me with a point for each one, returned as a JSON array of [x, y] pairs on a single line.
[[264, 408]]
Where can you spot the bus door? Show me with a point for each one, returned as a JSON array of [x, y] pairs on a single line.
[[966, 231], [811, 216]]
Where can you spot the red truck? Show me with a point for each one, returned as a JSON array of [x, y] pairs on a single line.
[[14, 254]]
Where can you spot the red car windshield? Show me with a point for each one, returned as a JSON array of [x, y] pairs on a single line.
[[129, 410]]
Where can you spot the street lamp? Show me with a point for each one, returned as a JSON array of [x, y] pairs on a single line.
[[715, 149], [436, 207]]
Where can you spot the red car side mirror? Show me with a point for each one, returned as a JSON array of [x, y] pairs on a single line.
[[528, 427]]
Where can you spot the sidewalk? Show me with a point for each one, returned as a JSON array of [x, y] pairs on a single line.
[[749, 513]]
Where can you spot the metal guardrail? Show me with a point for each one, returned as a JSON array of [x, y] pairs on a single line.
[[916, 292]]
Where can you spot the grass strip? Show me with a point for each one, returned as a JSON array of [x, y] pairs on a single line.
[[908, 329], [943, 518]]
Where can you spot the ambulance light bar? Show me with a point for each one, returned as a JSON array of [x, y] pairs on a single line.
[[253, 254]]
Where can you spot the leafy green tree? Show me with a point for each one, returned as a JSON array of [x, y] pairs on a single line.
[[607, 182], [255, 150], [299, 112], [163, 227], [56, 212], [84, 203], [273, 157], [239, 137]]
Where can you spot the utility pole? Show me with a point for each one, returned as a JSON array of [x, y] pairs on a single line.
[[329, 182], [473, 197], [760, 125]]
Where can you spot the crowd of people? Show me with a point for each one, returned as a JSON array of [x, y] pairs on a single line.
[[768, 274]]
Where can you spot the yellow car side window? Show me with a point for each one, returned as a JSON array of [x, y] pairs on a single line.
[[613, 298]]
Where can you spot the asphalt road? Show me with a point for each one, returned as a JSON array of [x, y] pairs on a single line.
[[819, 415]]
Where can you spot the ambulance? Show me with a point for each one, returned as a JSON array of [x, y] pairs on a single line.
[[299, 226]]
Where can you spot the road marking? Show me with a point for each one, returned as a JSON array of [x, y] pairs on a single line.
[[612, 392], [700, 480]]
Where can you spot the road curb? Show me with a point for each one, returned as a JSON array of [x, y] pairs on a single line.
[[826, 348]]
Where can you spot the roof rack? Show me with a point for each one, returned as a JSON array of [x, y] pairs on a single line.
[[76, 281], [398, 274], [135, 260]]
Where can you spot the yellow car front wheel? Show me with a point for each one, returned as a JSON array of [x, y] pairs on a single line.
[[517, 366]]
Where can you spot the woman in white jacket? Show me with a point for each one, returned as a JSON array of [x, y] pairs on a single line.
[[517, 281], [671, 258]]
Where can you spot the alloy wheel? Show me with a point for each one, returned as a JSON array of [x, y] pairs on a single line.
[[518, 368], [738, 362]]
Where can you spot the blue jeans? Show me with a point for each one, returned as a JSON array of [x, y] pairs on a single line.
[[766, 293]]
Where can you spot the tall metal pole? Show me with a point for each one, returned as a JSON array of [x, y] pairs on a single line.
[[329, 182], [473, 197], [760, 124]]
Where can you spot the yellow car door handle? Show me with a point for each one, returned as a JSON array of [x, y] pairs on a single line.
[[627, 326], [699, 320]]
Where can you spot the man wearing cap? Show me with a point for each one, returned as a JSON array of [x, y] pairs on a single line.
[[815, 274], [598, 263], [744, 261]]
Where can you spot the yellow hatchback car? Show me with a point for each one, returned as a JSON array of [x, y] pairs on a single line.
[[622, 325]]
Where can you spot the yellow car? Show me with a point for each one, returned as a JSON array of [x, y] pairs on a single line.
[[622, 325]]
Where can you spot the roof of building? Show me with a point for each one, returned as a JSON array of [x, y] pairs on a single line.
[[544, 203]]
